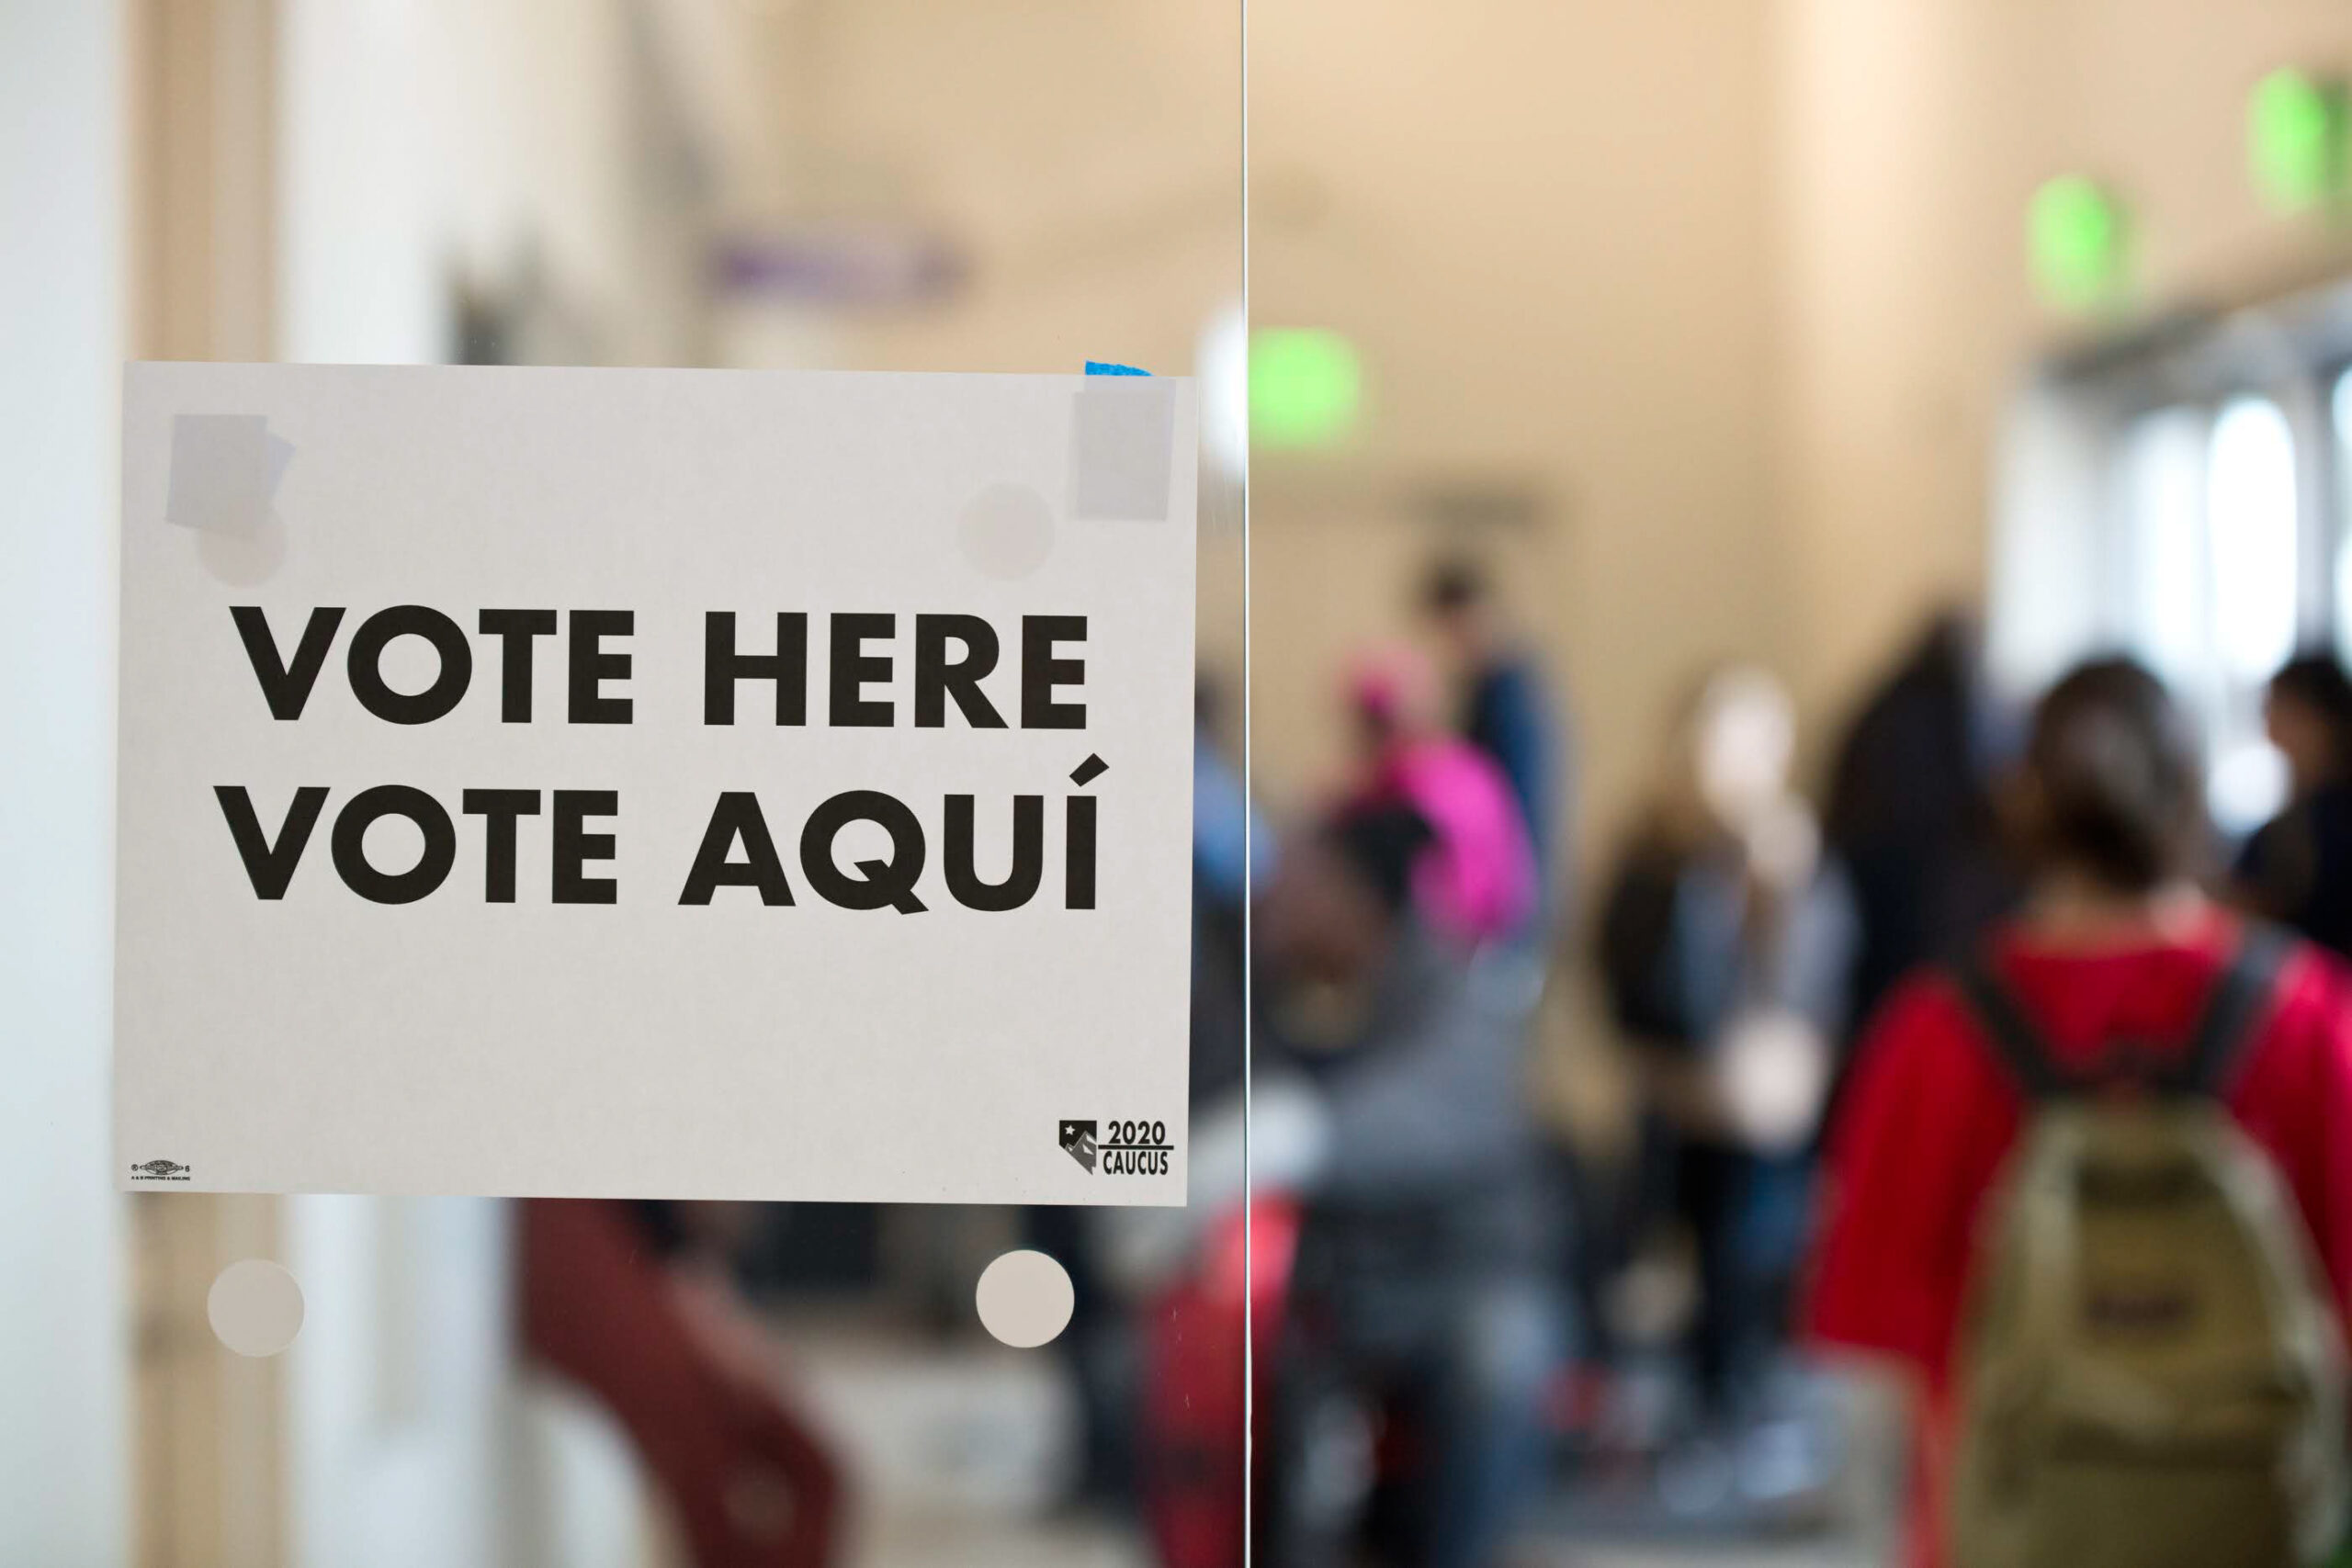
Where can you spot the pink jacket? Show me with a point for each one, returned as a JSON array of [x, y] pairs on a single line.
[[1478, 881]]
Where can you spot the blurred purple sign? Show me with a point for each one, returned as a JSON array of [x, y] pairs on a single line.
[[839, 262]]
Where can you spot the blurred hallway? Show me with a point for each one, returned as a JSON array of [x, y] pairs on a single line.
[[1731, 352]]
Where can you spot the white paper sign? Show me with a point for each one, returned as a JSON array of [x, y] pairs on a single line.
[[704, 783]]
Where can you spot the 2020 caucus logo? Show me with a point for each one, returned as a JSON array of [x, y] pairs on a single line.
[[1133, 1148]]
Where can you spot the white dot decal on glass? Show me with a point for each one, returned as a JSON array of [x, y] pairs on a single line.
[[255, 1307], [243, 560], [1006, 530], [1025, 1299]]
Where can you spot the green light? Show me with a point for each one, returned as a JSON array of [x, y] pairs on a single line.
[[1304, 387], [2079, 236], [2295, 140]]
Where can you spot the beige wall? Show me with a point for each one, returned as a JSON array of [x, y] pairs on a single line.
[[1735, 290], [1907, 141], [1543, 223], [1740, 286], [1081, 161]]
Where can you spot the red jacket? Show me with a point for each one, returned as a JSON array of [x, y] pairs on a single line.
[[1931, 1113]]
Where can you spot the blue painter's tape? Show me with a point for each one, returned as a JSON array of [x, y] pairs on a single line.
[[1103, 367]]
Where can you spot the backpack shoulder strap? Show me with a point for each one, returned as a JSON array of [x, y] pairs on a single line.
[[2015, 1040], [2240, 1002]]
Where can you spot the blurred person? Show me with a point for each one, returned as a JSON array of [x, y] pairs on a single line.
[[635, 1302], [1505, 710], [1911, 814], [1420, 1288], [1475, 881], [2297, 868], [2113, 975], [1726, 944]]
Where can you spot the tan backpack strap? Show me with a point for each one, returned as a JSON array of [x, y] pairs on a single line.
[[2240, 1004]]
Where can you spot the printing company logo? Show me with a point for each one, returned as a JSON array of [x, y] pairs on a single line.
[[160, 1170], [1133, 1148]]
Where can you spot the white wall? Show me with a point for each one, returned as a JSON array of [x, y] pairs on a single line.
[[64, 1332], [422, 141]]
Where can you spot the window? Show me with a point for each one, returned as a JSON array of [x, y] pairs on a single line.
[[2251, 524], [2186, 497], [2167, 611], [2250, 533]]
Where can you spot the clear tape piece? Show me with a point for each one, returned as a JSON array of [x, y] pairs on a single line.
[[225, 473], [1120, 436]]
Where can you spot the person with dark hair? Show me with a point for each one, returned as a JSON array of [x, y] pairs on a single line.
[[1911, 813], [1505, 710], [1724, 939], [1420, 1284], [2298, 869], [2113, 961]]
